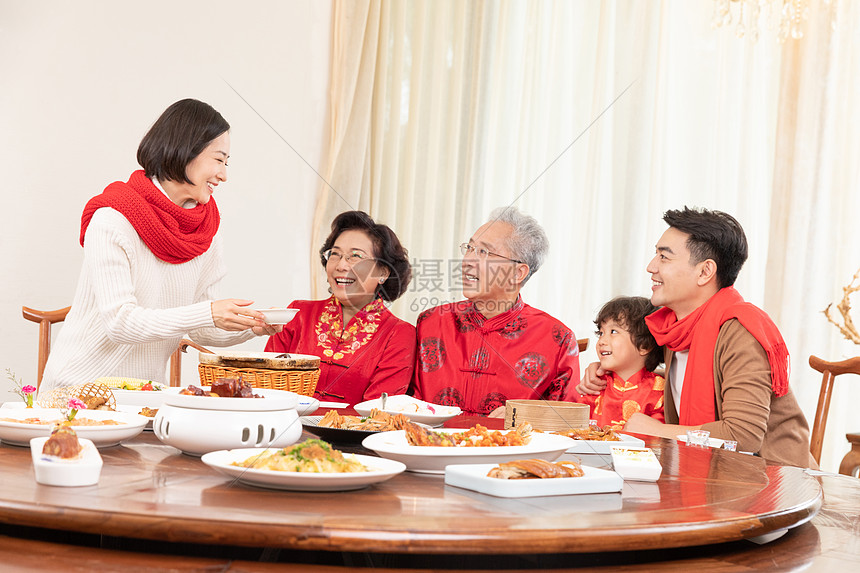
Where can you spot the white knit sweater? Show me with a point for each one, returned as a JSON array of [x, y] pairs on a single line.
[[131, 309]]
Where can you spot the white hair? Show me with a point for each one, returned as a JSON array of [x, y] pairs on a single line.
[[528, 241]]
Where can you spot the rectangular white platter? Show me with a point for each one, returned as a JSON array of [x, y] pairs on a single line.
[[474, 477]]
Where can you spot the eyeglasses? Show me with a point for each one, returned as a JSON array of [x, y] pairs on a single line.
[[352, 258], [483, 253]]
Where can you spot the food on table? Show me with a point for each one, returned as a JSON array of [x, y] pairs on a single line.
[[148, 412], [477, 436], [536, 469], [311, 456], [605, 434], [378, 421], [78, 421], [95, 395], [125, 383], [63, 443], [224, 388]]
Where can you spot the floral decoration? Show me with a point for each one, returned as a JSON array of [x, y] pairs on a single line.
[[74, 405]]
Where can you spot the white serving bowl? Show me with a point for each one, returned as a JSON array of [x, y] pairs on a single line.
[[200, 424], [81, 471]]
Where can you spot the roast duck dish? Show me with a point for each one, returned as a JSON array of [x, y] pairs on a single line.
[[223, 387], [536, 469]]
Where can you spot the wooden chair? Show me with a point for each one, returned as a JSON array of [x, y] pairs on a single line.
[[583, 344], [829, 371], [46, 318]]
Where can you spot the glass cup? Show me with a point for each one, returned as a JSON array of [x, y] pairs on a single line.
[[730, 445], [698, 437]]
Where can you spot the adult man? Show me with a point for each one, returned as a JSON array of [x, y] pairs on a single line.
[[492, 347], [727, 364]]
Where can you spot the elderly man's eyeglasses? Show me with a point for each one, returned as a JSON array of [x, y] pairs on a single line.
[[483, 253], [353, 258]]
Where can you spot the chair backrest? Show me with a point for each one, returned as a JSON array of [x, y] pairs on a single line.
[[829, 371], [46, 318], [583, 344]]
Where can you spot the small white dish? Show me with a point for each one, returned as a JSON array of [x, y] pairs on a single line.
[[637, 464], [433, 459], [474, 477], [603, 446], [335, 405], [278, 315], [19, 434], [413, 408], [81, 471], [712, 442], [382, 469], [307, 405]]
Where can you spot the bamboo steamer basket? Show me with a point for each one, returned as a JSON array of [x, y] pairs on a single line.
[[546, 415]]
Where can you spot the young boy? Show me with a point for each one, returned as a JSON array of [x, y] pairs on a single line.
[[629, 353]]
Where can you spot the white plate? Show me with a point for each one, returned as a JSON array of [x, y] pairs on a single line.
[[271, 400], [474, 477], [278, 315], [433, 459], [136, 410], [152, 399], [19, 434], [413, 408], [603, 446], [84, 470], [382, 470]]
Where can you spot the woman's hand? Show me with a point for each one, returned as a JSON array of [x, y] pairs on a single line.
[[232, 314], [591, 382], [267, 329]]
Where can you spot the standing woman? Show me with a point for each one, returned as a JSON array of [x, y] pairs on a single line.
[[364, 350], [153, 259]]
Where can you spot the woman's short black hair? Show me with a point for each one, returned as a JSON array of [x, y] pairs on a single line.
[[181, 133], [387, 247], [630, 312]]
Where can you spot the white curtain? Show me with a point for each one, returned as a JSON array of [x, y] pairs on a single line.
[[596, 117]]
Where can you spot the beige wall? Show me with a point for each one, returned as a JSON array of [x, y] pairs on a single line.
[[81, 82]]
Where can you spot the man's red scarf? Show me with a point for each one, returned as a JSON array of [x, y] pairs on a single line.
[[698, 334], [173, 234]]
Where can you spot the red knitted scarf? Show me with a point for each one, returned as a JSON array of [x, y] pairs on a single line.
[[698, 334], [173, 234]]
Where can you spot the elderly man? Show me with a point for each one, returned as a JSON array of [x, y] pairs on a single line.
[[727, 364], [492, 347]]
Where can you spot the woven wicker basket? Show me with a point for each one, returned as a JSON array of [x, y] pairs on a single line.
[[302, 382]]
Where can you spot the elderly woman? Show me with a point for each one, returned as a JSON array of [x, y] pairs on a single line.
[[152, 259], [364, 349], [492, 347]]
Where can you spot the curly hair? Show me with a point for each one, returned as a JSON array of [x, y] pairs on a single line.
[[630, 313], [387, 250]]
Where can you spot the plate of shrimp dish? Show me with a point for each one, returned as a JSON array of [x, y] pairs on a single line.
[[427, 450]]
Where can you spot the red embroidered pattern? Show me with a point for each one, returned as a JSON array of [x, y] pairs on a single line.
[[337, 341]]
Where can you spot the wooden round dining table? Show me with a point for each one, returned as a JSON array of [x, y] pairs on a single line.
[[154, 502]]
